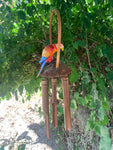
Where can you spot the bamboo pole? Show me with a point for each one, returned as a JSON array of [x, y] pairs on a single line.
[[59, 34], [54, 102], [45, 103], [66, 95]]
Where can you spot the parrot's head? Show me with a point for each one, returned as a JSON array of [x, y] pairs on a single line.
[[61, 47]]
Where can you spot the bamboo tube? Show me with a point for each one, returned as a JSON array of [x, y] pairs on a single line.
[[59, 34], [66, 95], [54, 102], [45, 103]]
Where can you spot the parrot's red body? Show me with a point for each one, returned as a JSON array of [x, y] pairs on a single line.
[[48, 53]]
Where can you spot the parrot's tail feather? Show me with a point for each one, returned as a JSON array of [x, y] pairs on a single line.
[[37, 76], [41, 68], [43, 59]]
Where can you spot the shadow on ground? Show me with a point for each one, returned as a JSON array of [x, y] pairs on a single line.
[[40, 132]]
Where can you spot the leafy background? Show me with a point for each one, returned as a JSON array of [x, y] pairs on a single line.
[[87, 33]]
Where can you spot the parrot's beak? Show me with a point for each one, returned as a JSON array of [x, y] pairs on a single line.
[[61, 49]]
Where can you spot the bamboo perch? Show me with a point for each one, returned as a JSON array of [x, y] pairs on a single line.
[[66, 95], [59, 34], [45, 103], [54, 102]]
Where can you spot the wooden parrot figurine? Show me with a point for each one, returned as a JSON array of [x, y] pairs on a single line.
[[47, 55]]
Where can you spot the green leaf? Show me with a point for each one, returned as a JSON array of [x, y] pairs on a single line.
[[88, 98], [105, 143], [74, 75], [28, 88], [107, 69], [110, 75], [60, 109], [92, 116], [98, 129], [107, 52], [88, 1], [30, 10], [86, 77], [101, 113], [92, 104], [75, 45], [82, 101], [23, 101], [68, 36], [104, 131], [28, 28], [94, 91], [99, 51], [105, 121], [21, 15], [105, 105], [16, 95], [90, 125], [76, 95], [8, 96], [94, 70], [73, 104], [21, 89], [102, 85], [79, 43]]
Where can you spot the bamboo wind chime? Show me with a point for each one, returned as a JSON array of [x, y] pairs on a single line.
[[54, 72]]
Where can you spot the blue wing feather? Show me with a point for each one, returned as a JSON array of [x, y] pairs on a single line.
[[43, 59], [43, 64]]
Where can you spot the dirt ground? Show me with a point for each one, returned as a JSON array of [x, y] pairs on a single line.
[[21, 126]]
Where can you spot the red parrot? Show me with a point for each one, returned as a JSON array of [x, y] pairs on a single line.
[[48, 53]]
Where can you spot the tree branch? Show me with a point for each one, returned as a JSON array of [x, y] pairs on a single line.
[[42, 27], [87, 50], [88, 56]]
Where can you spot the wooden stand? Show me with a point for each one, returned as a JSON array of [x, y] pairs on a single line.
[[55, 71]]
